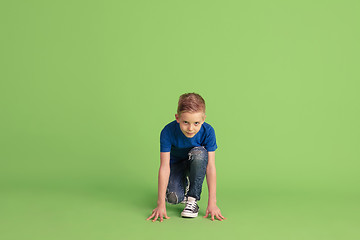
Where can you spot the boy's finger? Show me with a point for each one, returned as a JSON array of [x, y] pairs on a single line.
[[222, 216], [212, 217], [156, 217], [161, 218], [206, 215], [218, 217], [166, 216], [151, 216]]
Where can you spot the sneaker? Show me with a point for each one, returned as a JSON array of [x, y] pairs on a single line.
[[185, 200], [191, 209]]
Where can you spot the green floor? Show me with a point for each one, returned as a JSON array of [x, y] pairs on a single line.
[[107, 210]]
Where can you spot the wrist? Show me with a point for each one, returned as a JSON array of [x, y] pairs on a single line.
[[212, 202], [161, 203]]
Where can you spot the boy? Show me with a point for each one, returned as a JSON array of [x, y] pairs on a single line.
[[187, 153]]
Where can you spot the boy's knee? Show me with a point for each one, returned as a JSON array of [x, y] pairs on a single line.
[[173, 198], [198, 153]]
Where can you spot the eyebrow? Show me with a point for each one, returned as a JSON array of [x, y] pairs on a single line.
[[189, 121]]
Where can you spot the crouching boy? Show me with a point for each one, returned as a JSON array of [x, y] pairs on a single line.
[[187, 154]]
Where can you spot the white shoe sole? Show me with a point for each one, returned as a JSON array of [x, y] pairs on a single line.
[[189, 215]]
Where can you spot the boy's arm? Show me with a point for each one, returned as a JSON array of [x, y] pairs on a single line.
[[212, 208], [163, 179], [211, 178]]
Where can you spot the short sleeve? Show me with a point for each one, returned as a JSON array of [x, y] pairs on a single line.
[[165, 142], [210, 142]]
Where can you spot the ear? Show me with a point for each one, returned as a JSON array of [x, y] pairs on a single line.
[[177, 118], [204, 117]]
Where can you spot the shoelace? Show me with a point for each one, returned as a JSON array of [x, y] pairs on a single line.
[[190, 206]]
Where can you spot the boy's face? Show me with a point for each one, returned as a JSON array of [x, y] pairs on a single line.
[[190, 123]]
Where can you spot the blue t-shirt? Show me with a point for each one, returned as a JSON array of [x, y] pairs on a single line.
[[174, 141]]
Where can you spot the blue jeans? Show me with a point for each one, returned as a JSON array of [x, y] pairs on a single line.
[[188, 171]]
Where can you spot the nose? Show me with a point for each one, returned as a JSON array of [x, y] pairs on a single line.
[[190, 128]]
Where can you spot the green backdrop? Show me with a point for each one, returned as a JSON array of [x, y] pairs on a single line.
[[87, 86]]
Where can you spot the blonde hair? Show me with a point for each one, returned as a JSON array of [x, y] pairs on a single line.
[[191, 102]]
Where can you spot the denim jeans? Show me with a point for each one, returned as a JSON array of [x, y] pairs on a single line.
[[193, 170]]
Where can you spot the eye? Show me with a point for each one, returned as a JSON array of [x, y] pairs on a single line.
[[197, 123], [185, 122]]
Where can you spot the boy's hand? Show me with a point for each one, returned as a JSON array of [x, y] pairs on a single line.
[[158, 212], [214, 211]]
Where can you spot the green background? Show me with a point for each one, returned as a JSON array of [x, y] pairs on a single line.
[[87, 86]]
